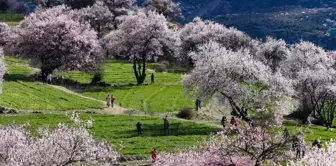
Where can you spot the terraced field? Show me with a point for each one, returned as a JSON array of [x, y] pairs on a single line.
[[22, 92], [151, 98]]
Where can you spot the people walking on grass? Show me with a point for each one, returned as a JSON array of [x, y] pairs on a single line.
[[198, 103], [153, 155], [166, 125], [138, 126], [224, 121], [108, 101], [152, 78], [112, 101]]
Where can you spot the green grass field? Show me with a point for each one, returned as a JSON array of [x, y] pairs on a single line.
[[121, 72], [10, 17], [21, 92], [121, 128], [149, 98]]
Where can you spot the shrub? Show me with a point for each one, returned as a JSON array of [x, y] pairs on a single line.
[[162, 67], [186, 113]]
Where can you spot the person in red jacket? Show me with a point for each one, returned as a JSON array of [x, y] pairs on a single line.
[[153, 155], [233, 122], [112, 101]]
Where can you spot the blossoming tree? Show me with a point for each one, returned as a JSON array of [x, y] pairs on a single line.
[[119, 9], [61, 146], [141, 37], [237, 75], [98, 15], [314, 76], [53, 39]]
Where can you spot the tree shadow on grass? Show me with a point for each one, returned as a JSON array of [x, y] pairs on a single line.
[[176, 129], [18, 77]]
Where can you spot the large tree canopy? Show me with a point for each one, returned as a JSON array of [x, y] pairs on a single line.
[[314, 76], [53, 39], [141, 37], [168, 8], [99, 16], [119, 9], [241, 79]]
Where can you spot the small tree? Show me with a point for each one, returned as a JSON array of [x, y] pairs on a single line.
[[141, 37], [168, 8], [119, 9], [53, 39]]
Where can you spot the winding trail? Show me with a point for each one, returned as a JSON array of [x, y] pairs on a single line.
[[107, 110]]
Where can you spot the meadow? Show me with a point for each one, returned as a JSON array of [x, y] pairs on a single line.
[[21, 91], [120, 131], [166, 95], [11, 19], [121, 72]]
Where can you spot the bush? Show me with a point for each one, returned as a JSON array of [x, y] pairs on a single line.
[[186, 113], [98, 76], [162, 67]]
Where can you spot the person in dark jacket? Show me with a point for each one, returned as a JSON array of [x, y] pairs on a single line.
[[138, 126]]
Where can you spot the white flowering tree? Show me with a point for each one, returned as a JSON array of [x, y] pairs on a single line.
[[4, 30], [237, 75], [168, 8], [53, 39], [199, 32], [99, 16], [141, 37], [61, 146], [2, 68], [314, 76]]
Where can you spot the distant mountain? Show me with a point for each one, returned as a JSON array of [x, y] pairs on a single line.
[[291, 20]]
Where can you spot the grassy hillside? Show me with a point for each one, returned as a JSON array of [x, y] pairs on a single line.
[[21, 92], [120, 130], [152, 98]]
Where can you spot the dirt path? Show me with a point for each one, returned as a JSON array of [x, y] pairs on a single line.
[[107, 110]]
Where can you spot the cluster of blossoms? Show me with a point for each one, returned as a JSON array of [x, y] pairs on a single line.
[[60, 146], [2, 68]]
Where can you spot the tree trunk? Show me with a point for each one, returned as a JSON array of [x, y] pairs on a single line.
[[139, 71]]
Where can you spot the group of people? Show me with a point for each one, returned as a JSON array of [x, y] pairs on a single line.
[[166, 127], [233, 122], [110, 100]]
